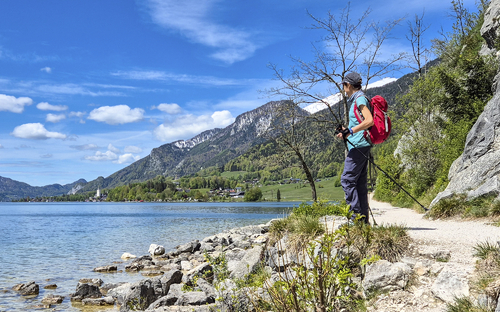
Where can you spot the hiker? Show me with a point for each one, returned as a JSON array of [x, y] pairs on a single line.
[[354, 179]]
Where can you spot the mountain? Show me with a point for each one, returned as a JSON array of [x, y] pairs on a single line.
[[210, 148], [11, 189]]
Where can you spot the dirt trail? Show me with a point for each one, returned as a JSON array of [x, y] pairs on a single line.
[[454, 235]]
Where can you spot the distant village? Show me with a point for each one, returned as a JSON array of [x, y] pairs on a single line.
[[220, 193]]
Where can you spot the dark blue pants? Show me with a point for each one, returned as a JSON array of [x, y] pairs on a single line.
[[354, 181]]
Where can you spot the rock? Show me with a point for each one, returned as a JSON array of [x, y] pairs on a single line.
[[475, 172], [50, 286], [194, 298], [156, 250], [92, 281], [248, 263], [174, 294], [204, 308], [197, 271], [106, 269], [52, 299], [109, 286], [170, 278], [127, 256], [84, 291], [450, 285], [186, 265], [420, 269], [490, 27], [30, 289], [383, 275], [120, 292], [189, 247], [152, 273], [207, 288], [142, 294], [99, 301]]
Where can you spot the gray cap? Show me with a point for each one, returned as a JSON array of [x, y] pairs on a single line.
[[353, 79]]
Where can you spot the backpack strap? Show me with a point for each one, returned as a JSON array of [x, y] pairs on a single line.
[[360, 118]]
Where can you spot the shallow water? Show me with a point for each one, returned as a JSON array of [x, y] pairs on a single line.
[[60, 243]]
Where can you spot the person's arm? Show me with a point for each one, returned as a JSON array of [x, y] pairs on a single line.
[[367, 123]]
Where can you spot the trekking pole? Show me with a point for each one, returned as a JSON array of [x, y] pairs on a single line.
[[391, 178]]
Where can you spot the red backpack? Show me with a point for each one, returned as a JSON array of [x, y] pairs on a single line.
[[381, 128]]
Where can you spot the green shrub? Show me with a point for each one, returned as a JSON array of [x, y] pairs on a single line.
[[465, 305], [484, 250], [253, 194], [320, 208], [449, 207]]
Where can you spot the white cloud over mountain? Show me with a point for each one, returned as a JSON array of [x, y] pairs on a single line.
[[46, 106], [35, 131], [114, 115], [127, 158], [12, 104], [187, 126]]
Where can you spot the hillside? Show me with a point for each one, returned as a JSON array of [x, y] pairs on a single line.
[[211, 148], [11, 189]]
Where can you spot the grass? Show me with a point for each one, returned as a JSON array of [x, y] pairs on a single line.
[[465, 305], [458, 205], [302, 192]]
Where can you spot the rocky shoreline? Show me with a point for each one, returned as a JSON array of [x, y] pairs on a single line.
[[182, 279]]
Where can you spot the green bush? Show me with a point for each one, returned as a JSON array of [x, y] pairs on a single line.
[[320, 208], [253, 194]]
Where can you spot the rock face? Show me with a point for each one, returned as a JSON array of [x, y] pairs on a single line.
[[476, 172], [450, 285], [383, 275], [30, 289]]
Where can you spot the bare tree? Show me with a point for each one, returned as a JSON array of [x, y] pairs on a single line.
[[347, 47], [292, 136], [420, 54]]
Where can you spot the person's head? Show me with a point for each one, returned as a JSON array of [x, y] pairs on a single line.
[[352, 82]]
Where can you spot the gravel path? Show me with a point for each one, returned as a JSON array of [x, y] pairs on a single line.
[[457, 236]]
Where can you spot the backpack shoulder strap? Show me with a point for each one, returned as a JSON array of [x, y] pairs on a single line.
[[357, 111]]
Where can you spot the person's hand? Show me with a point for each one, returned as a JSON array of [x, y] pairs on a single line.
[[343, 133]]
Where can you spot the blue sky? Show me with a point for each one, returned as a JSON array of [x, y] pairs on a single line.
[[88, 87]]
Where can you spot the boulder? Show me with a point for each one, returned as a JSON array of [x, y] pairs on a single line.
[[384, 275], [170, 278], [156, 250], [142, 294], [127, 256], [189, 247], [84, 291], [50, 286], [52, 299], [30, 289], [99, 301], [450, 285], [120, 292], [106, 269], [197, 271], [109, 286], [194, 298], [207, 288], [92, 281], [247, 264], [173, 295]]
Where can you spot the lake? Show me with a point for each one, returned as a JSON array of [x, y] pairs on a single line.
[[60, 243]]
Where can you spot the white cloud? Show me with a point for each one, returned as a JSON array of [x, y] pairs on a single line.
[[55, 118], [77, 114], [172, 109], [119, 114], [187, 126], [192, 18], [180, 78], [46, 106], [46, 69], [35, 131], [1, 146], [100, 156], [13, 104], [85, 147], [113, 149], [132, 149], [126, 158]]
